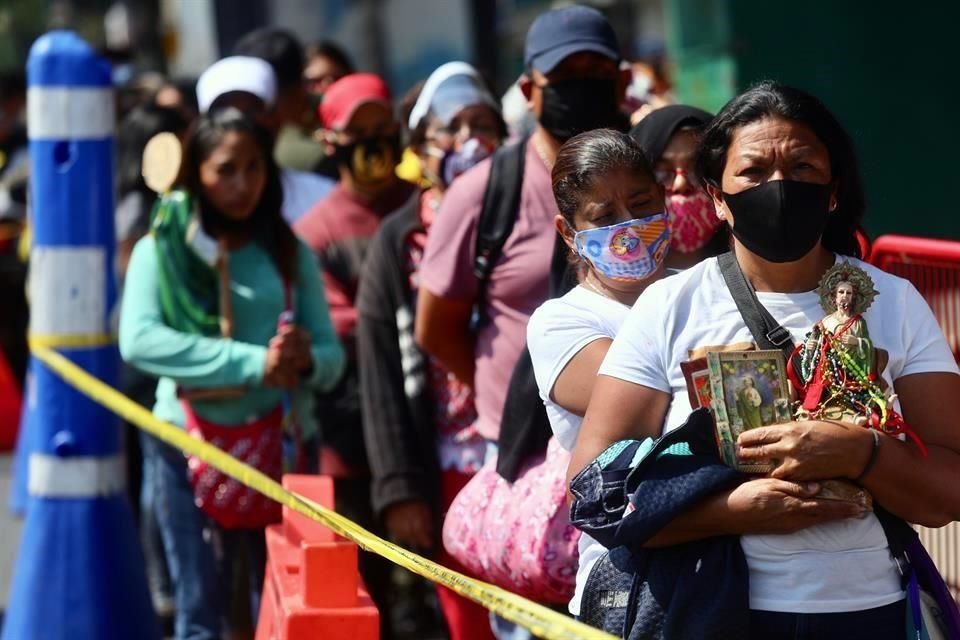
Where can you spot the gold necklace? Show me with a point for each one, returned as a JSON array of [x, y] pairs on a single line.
[[540, 152], [594, 287]]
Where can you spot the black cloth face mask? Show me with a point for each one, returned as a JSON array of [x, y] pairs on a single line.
[[577, 105], [370, 160], [781, 220]]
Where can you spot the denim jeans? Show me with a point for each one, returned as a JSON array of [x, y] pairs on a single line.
[[503, 629], [882, 623], [200, 554], [151, 539]]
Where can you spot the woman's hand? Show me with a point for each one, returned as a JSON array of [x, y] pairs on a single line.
[[808, 450], [764, 505], [410, 524], [770, 505], [277, 371], [293, 343]]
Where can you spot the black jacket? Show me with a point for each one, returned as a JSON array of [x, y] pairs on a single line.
[[697, 590], [397, 408]]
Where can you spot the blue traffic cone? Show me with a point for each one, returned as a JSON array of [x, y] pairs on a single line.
[[79, 573]]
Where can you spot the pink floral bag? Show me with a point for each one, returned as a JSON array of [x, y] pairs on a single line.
[[518, 536]]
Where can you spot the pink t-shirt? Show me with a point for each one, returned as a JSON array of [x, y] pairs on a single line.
[[518, 284]]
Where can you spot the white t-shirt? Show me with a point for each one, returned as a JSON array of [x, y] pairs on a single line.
[[557, 331], [838, 566]]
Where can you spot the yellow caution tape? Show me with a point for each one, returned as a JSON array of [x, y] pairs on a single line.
[[80, 341], [540, 620]]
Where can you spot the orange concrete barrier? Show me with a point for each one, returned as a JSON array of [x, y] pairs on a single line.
[[312, 588]]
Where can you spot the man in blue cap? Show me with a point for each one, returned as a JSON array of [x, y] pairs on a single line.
[[573, 83]]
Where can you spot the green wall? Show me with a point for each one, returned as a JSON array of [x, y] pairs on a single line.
[[886, 69]]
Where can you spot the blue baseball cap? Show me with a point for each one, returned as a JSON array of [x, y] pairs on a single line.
[[557, 34]]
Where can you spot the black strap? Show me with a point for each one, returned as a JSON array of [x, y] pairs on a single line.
[[898, 532], [501, 202], [765, 329]]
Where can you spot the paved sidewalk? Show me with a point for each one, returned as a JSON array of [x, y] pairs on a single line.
[[10, 528]]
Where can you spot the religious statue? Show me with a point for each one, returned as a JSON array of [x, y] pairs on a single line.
[[839, 367]]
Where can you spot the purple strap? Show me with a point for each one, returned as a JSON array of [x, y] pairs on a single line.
[[913, 600]]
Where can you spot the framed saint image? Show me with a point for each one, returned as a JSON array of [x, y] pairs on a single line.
[[749, 390]]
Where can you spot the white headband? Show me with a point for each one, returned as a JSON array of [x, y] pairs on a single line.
[[236, 73]]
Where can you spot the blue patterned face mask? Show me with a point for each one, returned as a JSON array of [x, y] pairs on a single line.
[[627, 251]]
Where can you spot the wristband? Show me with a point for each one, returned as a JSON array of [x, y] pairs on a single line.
[[873, 456]]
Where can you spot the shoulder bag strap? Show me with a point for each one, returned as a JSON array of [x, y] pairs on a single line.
[[226, 302], [898, 532], [765, 329], [288, 300], [501, 202]]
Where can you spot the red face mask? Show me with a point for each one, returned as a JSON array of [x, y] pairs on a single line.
[[693, 220]]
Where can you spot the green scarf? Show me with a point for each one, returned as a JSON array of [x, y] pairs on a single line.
[[189, 286]]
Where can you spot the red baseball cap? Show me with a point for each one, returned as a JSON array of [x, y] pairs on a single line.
[[344, 96]]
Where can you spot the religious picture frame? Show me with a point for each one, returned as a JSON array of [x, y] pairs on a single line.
[[749, 389]]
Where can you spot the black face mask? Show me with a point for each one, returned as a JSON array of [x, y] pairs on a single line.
[[371, 160], [313, 105], [577, 105], [781, 220]]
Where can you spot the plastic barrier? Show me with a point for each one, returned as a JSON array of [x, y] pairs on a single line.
[[312, 587], [540, 620], [933, 266], [79, 572]]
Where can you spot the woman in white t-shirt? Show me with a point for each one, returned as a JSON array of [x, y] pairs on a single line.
[[782, 173], [612, 216]]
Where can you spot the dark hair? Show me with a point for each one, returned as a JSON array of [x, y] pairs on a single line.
[[187, 86], [588, 157], [278, 47], [135, 130], [770, 99], [418, 135], [332, 52], [13, 84], [654, 131], [266, 224]]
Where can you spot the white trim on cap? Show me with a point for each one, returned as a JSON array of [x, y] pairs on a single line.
[[76, 477], [445, 71], [70, 113]]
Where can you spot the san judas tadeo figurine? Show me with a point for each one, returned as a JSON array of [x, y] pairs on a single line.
[[837, 369]]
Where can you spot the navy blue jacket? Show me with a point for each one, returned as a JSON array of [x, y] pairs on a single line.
[[697, 590]]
